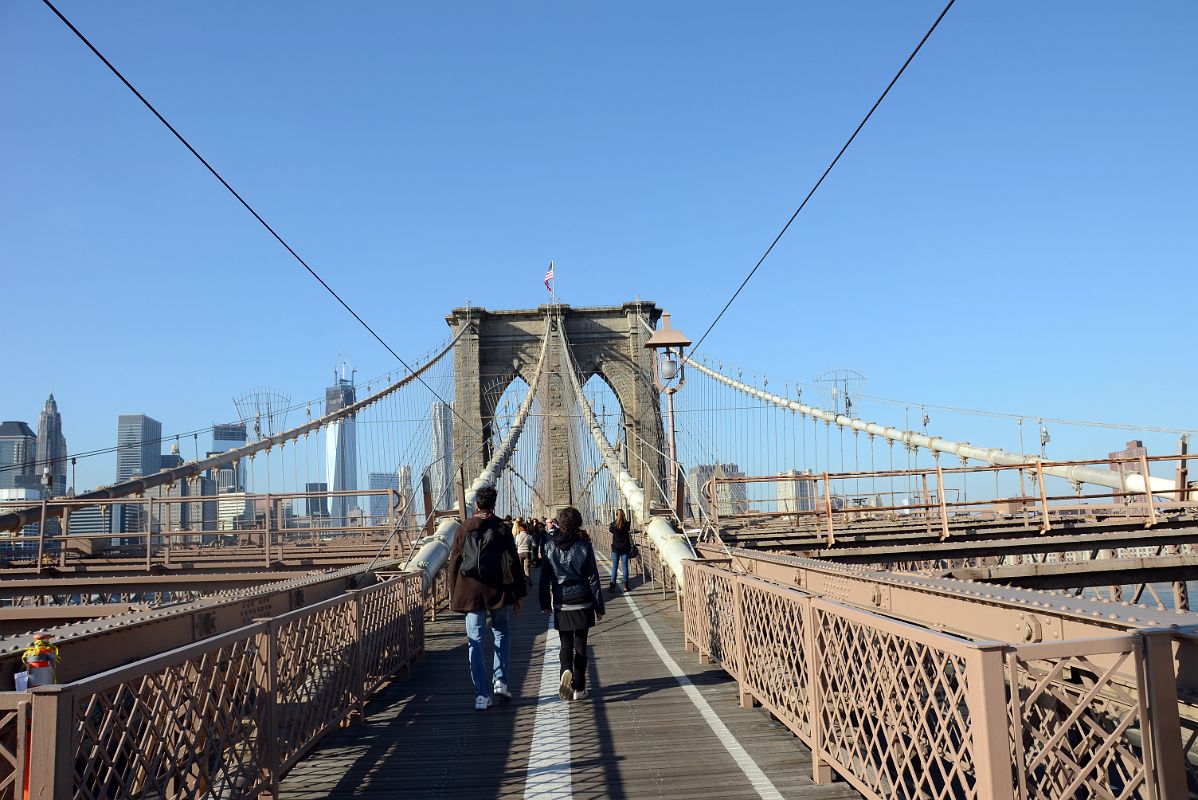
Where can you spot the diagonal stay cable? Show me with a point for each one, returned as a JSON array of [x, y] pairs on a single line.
[[819, 182], [245, 204]]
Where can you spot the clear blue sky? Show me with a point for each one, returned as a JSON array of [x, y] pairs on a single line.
[[1014, 230]]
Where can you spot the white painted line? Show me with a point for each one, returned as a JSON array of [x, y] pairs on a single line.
[[548, 776], [757, 778]]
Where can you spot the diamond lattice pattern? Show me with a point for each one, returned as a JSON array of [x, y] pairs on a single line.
[[775, 667], [315, 678], [190, 730], [1074, 724], [893, 711]]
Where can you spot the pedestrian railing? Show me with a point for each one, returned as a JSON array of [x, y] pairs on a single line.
[[224, 717], [900, 711]]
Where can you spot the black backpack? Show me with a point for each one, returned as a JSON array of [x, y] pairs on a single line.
[[483, 554]]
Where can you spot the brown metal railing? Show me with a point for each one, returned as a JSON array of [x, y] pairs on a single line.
[[900, 711], [272, 534], [224, 717], [824, 504]]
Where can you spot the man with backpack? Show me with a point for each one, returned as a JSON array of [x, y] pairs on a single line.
[[485, 578]]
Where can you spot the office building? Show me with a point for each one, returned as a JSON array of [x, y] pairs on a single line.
[[442, 469], [52, 448], [233, 509], [405, 494], [729, 498], [226, 478], [139, 453], [380, 504], [317, 504], [18, 454], [798, 493], [341, 450], [90, 521], [139, 446], [1133, 449], [12, 497], [226, 437], [180, 514]]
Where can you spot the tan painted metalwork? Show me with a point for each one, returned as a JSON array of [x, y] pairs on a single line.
[[900, 711], [224, 717]]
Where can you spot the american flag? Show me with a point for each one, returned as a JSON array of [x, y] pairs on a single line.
[[549, 277]]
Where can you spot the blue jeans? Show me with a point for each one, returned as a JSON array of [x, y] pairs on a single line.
[[476, 624], [616, 558]]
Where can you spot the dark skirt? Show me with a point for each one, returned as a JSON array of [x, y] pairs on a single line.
[[578, 620]]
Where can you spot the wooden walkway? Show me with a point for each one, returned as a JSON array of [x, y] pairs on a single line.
[[642, 733]]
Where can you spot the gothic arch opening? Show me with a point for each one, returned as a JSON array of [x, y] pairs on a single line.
[[493, 347], [519, 494]]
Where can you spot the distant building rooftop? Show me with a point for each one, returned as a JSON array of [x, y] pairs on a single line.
[[15, 428]]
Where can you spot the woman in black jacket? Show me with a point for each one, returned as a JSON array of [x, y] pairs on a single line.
[[570, 586], [621, 547]]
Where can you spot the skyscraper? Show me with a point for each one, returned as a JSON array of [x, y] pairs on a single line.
[[317, 504], [405, 492], [797, 494], [441, 471], [138, 453], [52, 447], [139, 446], [341, 449], [729, 498], [380, 504], [225, 438], [18, 453]]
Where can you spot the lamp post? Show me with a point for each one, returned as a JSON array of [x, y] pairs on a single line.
[[669, 375]]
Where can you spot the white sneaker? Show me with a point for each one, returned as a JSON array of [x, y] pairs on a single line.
[[482, 703], [501, 691], [581, 694], [563, 690]]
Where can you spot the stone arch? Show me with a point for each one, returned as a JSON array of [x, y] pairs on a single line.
[[499, 345]]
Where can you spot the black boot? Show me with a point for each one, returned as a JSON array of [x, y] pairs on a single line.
[[627, 588], [611, 588]]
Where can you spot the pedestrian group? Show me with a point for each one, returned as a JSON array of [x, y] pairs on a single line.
[[491, 570]]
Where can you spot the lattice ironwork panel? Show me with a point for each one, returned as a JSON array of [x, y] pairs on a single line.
[[438, 595], [892, 710], [693, 623], [386, 627], [193, 729], [1075, 732], [414, 598], [315, 678], [13, 710], [1189, 751], [775, 653], [709, 614]]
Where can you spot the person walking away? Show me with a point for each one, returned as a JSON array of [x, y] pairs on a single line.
[[570, 586], [524, 546], [621, 547], [538, 541], [485, 580]]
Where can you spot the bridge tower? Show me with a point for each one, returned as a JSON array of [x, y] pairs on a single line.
[[498, 346]]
